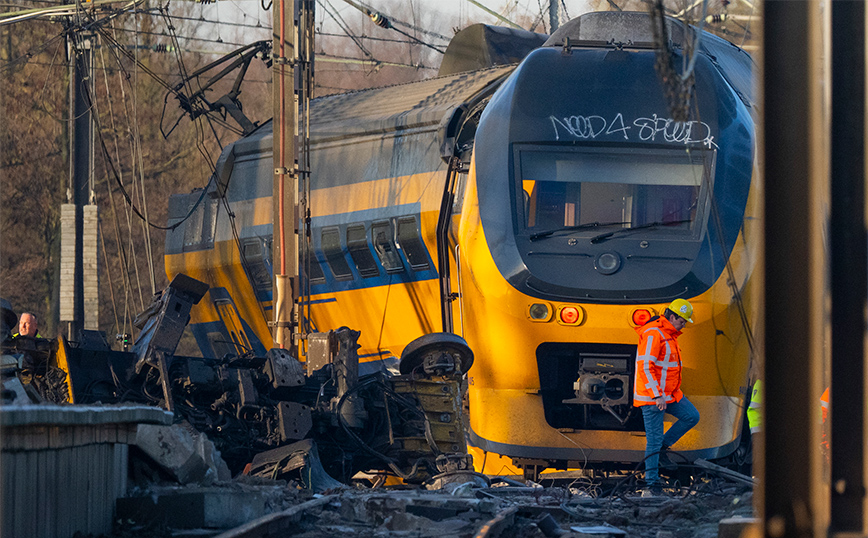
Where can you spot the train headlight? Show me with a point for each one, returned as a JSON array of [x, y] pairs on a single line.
[[607, 263], [539, 312], [641, 316], [570, 315]]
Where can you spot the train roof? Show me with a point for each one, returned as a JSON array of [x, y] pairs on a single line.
[[480, 45], [395, 108], [733, 63], [380, 111]]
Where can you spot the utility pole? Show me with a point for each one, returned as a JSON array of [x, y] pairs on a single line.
[[292, 73], [79, 285]]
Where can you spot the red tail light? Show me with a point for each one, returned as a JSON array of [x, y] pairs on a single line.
[[569, 315], [641, 316]]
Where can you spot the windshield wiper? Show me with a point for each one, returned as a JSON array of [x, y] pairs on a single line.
[[547, 233], [602, 237]]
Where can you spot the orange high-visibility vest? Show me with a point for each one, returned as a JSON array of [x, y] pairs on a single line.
[[824, 403], [658, 363]]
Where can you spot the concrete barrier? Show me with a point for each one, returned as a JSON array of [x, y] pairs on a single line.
[[62, 468]]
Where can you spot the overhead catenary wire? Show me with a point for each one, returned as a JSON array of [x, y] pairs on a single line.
[[364, 36], [335, 15], [114, 43], [132, 259], [377, 16], [495, 14], [124, 192], [330, 58], [139, 159], [108, 272], [208, 21], [66, 9], [24, 58], [121, 251], [387, 22]]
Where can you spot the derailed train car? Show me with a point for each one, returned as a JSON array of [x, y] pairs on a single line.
[[571, 209]]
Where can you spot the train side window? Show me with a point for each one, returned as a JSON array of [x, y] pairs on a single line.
[[410, 240], [258, 263], [385, 247], [199, 228], [331, 247], [357, 244], [316, 274]]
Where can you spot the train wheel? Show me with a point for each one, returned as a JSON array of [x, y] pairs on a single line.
[[436, 353]]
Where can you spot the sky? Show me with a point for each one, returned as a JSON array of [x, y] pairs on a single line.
[[440, 16]]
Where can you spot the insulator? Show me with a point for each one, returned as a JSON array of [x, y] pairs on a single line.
[[381, 20]]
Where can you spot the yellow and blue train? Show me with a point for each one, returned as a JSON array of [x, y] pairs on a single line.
[[569, 207]]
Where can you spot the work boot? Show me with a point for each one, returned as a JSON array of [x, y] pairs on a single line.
[[664, 462], [653, 490]]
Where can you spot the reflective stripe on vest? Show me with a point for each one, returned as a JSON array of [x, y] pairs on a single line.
[[654, 360]]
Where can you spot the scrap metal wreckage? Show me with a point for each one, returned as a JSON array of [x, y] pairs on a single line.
[[272, 414]]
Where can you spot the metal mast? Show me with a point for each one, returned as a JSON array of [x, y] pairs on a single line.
[[293, 51]]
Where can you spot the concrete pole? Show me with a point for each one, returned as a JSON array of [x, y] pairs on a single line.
[[849, 265], [72, 258], [796, 171]]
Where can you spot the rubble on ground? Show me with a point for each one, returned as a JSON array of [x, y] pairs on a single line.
[[502, 510]]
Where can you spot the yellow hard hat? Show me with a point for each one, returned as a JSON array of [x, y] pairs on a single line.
[[683, 308]]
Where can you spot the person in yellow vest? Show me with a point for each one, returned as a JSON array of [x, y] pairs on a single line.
[[658, 387], [755, 415], [755, 408], [27, 326]]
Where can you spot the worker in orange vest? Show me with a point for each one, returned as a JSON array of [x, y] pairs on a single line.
[[824, 404], [658, 387]]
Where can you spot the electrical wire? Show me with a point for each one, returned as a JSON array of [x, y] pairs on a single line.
[[139, 160], [121, 251], [322, 57], [108, 272], [190, 38], [387, 22], [120, 184], [370, 12], [343, 26], [187, 81], [124, 192], [364, 36], [208, 21], [24, 58], [113, 70], [133, 260], [57, 116]]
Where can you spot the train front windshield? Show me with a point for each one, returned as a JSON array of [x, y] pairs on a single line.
[[659, 189]]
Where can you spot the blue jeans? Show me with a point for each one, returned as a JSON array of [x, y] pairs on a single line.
[[687, 416]]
